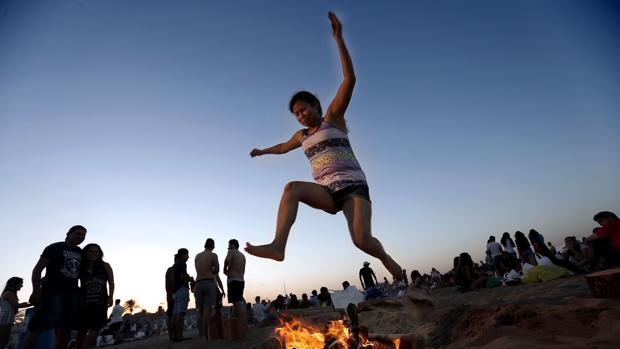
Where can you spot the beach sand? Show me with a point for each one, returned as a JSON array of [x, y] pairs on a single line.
[[554, 314]]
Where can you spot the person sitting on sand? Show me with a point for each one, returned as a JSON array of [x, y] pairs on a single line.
[[467, 278], [577, 253], [495, 250], [305, 302], [314, 299], [294, 302], [508, 262], [536, 236], [340, 182], [325, 299], [417, 281], [436, 277], [524, 248], [542, 250], [508, 244], [605, 240], [259, 310]]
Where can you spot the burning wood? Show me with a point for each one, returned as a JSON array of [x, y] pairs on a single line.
[[294, 334]]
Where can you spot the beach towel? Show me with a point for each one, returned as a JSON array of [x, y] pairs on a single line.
[[342, 299], [493, 282], [544, 273]]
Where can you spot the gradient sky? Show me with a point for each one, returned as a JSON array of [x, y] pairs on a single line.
[[136, 118]]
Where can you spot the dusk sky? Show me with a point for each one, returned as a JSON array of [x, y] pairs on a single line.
[[136, 119]]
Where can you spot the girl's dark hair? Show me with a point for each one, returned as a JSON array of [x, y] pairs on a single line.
[[465, 260], [521, 240], [455, 262], [506, 237], [13, 284], [307, 97], [415, 275], [98, 262]]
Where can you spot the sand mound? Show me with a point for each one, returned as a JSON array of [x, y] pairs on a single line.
[[555, 314]]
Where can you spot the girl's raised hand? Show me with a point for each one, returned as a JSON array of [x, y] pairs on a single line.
[[336, 25], [255, 152]]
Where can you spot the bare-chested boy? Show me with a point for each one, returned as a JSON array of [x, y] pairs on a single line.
[[234, 268], [207, 268]]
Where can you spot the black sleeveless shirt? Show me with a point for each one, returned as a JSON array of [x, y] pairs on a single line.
[[94, 290]]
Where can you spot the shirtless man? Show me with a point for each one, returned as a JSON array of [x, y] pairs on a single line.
[[207, 268], [234, 268]]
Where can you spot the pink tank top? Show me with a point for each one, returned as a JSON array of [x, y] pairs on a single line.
[[333, 163]]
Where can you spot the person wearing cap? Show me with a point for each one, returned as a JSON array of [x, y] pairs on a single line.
[[367, 276], [169, 300], [180, 295]]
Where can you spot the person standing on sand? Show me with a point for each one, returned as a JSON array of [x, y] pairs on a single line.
[[9, 305], [366, 277], [169, 300], [207, 268], [234, 269], [57, 298], [341, 183], [181, 293], [97, 293], [116, 320]]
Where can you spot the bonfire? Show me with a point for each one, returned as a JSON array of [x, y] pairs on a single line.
[[294, 334]]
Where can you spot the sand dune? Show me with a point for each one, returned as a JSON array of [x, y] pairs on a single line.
[[555, 314]]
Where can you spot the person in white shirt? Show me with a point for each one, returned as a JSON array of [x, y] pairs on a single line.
[[116, 320], [259, 311], [495, 250], [509, 244]]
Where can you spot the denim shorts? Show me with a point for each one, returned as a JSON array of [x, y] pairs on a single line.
[[206, 293], [181, 299], [346, 193], [59, 308]]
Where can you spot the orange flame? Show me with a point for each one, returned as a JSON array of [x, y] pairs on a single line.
[[297, 335]]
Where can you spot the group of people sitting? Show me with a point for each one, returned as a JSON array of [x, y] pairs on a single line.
[[265, 309], [508, 260]]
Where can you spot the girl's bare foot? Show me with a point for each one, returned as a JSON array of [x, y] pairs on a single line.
[[271, 251], [393, 268]]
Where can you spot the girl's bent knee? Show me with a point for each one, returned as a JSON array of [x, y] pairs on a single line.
[[291, 187]]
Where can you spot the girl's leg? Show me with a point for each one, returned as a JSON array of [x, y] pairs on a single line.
[[358, 212], [310, 194]]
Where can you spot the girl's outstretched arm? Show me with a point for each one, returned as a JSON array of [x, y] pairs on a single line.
[[293, 143], [337, 108]]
